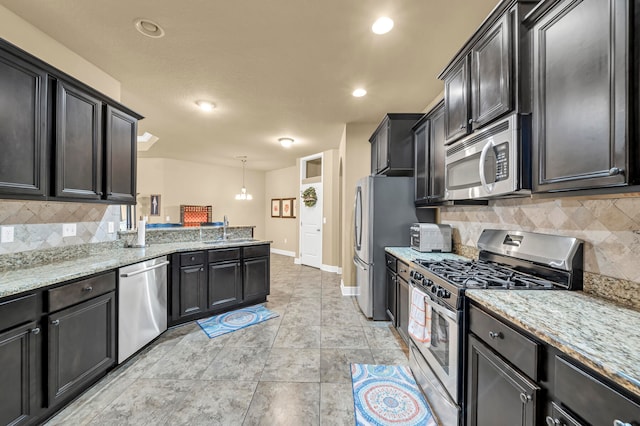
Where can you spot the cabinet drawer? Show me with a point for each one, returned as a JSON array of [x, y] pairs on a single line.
[[595, 401], [403, 271], [513, 346], [224, 255], [192, 258], [256, 251], [391, 261], [561, 417], [70, 294], [17, 311]]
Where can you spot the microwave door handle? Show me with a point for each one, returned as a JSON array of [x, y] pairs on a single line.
[[483, 158]]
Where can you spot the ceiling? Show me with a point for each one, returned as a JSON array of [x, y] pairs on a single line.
[[274, 68]]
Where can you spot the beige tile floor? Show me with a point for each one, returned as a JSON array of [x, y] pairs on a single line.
[[291, 370]]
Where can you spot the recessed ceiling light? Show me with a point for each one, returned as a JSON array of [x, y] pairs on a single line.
[[148, 28], [358, 93], [206, 105], [286, 142], [382, 25]]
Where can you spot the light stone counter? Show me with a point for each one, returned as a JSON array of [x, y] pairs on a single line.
[[14, 281], [600, 334], [408, 255]]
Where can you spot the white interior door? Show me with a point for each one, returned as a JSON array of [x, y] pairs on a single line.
[[311, 229]]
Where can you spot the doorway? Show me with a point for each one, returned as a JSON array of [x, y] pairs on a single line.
[[311, 216]]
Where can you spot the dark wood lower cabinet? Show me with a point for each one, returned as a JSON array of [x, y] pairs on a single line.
[[192, 291], [392, 296], [82, 343], [256, 278], [19, 379], [225, 284], [497, 394], [403, 309]]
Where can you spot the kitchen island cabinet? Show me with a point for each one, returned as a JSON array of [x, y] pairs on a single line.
[[189, 298], [225, 278]]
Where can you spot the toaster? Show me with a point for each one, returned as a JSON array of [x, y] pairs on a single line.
[[430, 237]]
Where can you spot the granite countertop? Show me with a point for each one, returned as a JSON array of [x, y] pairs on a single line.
[[600, 334], [26, 279], [408, 255]]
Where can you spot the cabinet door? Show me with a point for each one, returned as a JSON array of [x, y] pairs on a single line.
[[497, 395], [256, 278], [120, 142], [421, 166], [391, 296], [374, 155], [23, 114], [491, 74], [403, 309], [78, 147], [19, 380], [82, 342], [383, 146], [456, 107], [192, 297], [580, 95], [436, 154], [225, 284]]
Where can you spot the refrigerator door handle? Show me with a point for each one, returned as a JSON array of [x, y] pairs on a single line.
[[359, 263], [358, 219]]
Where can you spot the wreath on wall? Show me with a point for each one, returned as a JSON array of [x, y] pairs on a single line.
[[309, 197]]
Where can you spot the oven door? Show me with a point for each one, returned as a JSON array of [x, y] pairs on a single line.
[[485, 164], [442, 354]]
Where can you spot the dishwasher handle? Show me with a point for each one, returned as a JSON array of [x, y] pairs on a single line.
[[141, 271]]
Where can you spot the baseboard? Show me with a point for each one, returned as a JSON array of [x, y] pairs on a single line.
[[348, 290], [331, 268], [283, 252], [297, 261]]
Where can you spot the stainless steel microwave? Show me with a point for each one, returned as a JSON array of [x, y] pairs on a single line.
[[494, 161]]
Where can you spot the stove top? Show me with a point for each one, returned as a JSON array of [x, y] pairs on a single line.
[[483, 275]]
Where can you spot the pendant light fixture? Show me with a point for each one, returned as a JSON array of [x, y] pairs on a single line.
[[243, 192]]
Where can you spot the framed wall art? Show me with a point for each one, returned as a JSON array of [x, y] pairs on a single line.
[[288, 205], [275, 207]]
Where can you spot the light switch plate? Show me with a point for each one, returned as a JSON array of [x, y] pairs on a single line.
[[6, 236], [111, 227], [68, 229]]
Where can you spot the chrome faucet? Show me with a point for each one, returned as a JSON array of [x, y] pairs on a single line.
[[225, 224]]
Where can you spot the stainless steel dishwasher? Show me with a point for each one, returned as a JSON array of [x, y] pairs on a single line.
[[142, 305]]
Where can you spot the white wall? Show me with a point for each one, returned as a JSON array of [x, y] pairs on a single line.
[[27, 37], [185, 182]]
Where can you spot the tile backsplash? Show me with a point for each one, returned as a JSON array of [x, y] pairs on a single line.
[[38, 224], [610, 229]]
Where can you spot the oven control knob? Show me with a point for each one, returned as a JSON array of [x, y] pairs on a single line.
[[434, 289], [427, 282], [412, 273], [443, 294]]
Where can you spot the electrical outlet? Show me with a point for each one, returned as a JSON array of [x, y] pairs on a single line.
[[6, 236], [111, 227], [68, 229]]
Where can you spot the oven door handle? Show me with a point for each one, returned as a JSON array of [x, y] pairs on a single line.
[[483, 157], [452, 315]]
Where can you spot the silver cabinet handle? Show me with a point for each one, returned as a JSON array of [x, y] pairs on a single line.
[[495, 335], [141, 271], [525, 398], [462, 126], [88, 289], [36, 330], [551, 421], [55, 322], [613, 172], [617, 422]]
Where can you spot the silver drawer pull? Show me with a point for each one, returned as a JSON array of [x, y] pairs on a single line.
[[525, 398], [88, 289], [617, 422], [495, 335], [55, 322], [551, 421], [35, 330]]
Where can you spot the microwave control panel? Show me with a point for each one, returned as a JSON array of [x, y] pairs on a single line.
[[502, 161]]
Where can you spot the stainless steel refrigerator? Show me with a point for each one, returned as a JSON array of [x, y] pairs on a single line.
[[384, 211]]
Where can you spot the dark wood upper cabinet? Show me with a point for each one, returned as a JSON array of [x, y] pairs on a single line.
[[430, 152], [392, 145], [78, 144], [23, 114], [582, 78], [121, 132], [456, 105], [61, 139], [491, 75], [421, 168]]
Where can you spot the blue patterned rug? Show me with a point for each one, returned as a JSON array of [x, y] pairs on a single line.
[[388, 395], [235, 320]]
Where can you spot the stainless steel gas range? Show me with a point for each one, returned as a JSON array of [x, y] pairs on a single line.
[[508, 260]]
